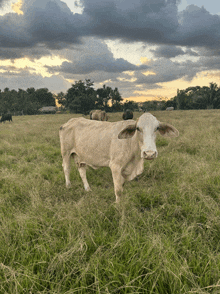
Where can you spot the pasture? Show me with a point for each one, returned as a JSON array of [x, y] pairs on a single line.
[[163, 238]]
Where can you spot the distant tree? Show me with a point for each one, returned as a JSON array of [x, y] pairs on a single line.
[[129, 104], [170, 103], [153, 105], [61, 98], [116, 100], [80, 98], [212, 95], [216, 100], [7, 101], [197, 97], [44, 97], [25, 102], [102, 97]]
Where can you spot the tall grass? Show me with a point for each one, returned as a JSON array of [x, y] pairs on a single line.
[[163, 238]]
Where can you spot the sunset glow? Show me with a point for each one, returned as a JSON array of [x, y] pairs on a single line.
[[17, 7]]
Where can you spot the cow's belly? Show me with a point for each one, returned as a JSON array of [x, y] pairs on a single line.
[[95, 164], [91, 159]]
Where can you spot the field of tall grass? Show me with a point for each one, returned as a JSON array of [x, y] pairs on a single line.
[[164, 238]]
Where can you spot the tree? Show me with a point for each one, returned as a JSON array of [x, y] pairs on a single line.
[[116, 100], [44, 97], [130, 105], [61, 98], [103, 97], [211, 97], [198, 97], [80, 98]]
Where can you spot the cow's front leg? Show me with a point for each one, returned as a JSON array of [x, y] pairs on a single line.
[[66, 169], [82, 172], [118, 181]]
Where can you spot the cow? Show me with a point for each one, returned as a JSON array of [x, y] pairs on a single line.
[[6, 117], [170, 108], [122, 146], [98, 115], [128, 114]]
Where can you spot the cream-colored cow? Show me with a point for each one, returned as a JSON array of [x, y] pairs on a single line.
[[98, 115], [122, 145]]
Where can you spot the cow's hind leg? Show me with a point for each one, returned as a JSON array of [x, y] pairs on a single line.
[[118, 181], [82, 172], [66, 169]]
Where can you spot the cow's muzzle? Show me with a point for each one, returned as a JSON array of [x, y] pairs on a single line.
[[149, 155]]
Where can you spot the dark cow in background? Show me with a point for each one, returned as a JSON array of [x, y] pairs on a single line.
[[128, 114], [6, 117]]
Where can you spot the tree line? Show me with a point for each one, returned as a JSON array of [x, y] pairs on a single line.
[[25, 102], [81, 97], [196, 98]]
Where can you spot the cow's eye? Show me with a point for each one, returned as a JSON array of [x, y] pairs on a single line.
[[157, 129], [138, 129]]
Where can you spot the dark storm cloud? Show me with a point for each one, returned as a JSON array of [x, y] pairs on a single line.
[[198, 28], [33, 53], [132, 21], [3, 3], [49, 27], [208, 52], [167, 51], [54, 24], [153, 21], [165, 71], [90, 56], [94, 64], [44, 22]]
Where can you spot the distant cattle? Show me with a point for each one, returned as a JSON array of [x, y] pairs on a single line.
[[6, 117], [98, 115], [123, 146], [170, 108], [128, 114]]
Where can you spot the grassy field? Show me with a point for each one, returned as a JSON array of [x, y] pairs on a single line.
[[164, 238]]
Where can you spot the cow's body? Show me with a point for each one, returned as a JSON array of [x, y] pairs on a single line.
[[6, 117], [98, 115], [122, 146], [128, 114]]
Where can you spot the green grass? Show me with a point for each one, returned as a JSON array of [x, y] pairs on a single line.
[[164, 238]]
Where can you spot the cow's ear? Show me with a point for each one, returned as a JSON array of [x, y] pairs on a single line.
[[127, 132], [167, 130]]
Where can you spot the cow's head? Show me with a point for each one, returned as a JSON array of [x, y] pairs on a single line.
[[145, 130]]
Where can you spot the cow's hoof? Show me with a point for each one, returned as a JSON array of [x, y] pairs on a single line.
[[68, 185]]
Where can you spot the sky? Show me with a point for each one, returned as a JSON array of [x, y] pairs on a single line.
[[146, 48]]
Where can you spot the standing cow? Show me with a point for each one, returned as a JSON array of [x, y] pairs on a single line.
[[98, 115], [128, 114], [123, 146], [6, 117]]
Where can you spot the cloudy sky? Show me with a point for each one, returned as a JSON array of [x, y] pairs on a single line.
[[146, 48]]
